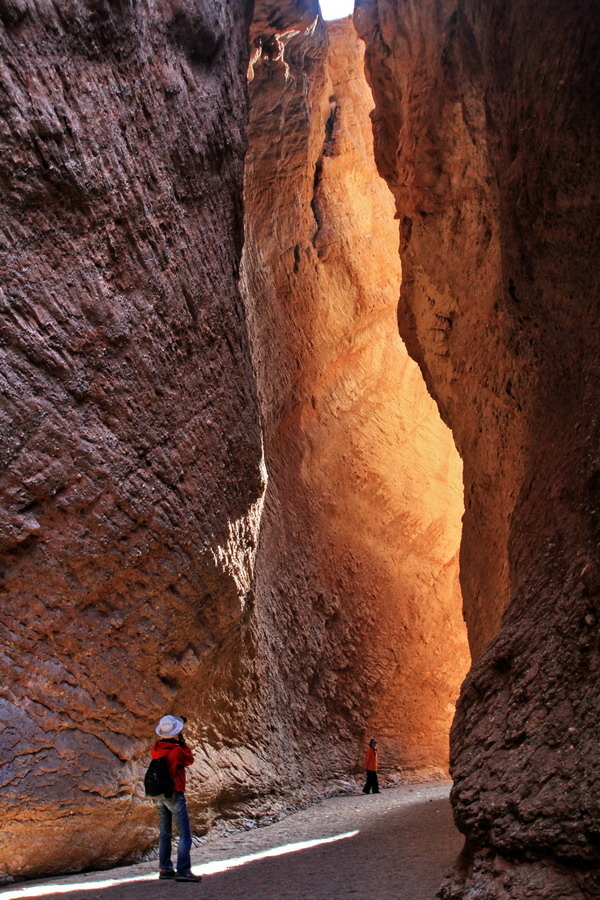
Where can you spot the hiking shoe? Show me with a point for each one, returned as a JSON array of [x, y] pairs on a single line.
[[188, 876], [166, 874]]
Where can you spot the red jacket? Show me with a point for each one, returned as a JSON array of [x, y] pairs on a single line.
[[371, 760], [178, 757]]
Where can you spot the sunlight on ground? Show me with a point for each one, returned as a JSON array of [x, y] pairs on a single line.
[[210, 868], [336, 9]]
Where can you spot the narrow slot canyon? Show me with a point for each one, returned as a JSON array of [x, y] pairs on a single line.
[[357, 591], [299, 434]]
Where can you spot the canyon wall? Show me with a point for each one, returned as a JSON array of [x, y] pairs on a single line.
[[487, 132], [357, 595], [130, 433]]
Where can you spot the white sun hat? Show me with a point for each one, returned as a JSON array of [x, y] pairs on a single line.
[[169, 726]]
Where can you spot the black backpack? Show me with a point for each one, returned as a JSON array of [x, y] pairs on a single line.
[[157, 781]]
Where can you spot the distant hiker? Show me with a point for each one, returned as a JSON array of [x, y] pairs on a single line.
[[371, 766], [172, 747]]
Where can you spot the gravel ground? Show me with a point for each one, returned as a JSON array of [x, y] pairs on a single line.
[[396, 845]]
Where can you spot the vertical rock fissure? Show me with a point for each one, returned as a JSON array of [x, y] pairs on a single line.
[[328, 149]]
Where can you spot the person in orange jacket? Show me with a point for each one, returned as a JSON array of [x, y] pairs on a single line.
[[171, 744], [372, 783]]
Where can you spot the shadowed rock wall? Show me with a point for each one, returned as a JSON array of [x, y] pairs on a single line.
[[130, 437], [357, 595], [487, 132]]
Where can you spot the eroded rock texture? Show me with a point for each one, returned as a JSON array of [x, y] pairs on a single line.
[[130, 438], [357, 594], [487, 132]]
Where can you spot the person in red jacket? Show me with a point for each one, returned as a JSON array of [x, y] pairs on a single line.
[[372, 783], [172, 745]]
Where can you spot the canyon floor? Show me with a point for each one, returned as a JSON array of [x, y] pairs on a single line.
[[397, 844]]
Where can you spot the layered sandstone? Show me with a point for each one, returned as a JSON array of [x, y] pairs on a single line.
[[357, 595], [130, 436], [487, 132]]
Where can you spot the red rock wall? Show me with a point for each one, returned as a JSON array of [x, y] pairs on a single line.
[[357, 595], [487, 132], [130, 436]]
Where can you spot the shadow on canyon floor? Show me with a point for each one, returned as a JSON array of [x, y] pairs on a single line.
[[397, 844]]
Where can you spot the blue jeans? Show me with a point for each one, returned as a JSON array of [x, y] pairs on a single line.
[[167, 808]]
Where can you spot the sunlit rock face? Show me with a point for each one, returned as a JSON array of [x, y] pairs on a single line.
[[130, 437], [487, 132], [357, 594]]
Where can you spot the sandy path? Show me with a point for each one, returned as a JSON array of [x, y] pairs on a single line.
[[405, 842]]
